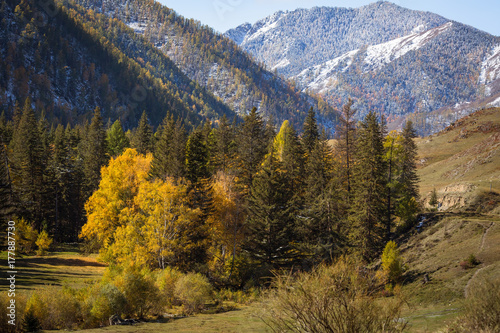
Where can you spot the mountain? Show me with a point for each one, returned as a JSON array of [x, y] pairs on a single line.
[[70, 60], [131, 56], [387, 58], [214, 61], [292, 41]]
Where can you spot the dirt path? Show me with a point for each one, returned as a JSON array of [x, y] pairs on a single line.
[[467, 286], [483, 239], [481, 247]]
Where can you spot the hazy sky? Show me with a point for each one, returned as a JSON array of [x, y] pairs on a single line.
[[225, 14]]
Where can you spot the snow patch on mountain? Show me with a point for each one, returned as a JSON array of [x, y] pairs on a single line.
[[490, 69], [324, 73], [378, 56], [264, 26], [138, 27], [238, 34], [375, 57]]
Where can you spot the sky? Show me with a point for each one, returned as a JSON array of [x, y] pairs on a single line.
[[226, 14]]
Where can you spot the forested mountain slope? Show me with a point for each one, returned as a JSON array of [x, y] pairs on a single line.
[[70, 60], [214, 61], [387, 58]]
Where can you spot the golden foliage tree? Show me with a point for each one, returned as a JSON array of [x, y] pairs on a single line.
[[118, 187]]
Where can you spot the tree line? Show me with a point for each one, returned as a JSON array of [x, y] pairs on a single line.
[[230, 199]]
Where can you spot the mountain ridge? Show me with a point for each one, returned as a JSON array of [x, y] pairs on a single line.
[[420, 62]]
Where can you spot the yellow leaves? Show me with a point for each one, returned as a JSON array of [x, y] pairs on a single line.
[[164, 214], [137, 220], [226, 220], [392, 263], [43, 242], [119, 184]]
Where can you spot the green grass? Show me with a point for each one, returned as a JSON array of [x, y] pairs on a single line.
[[57, 268], [244, 319]]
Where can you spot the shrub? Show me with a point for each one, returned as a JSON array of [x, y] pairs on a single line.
[[106, 300], [392, 263], [165, 281], [43, 242], [470, 262], [482, 309], [26, 237], [334, 298], [55, 308], [193, 290], [139, 290]]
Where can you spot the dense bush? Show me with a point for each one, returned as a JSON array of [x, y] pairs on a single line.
[[336, 298], [165, 281], [193, 290]]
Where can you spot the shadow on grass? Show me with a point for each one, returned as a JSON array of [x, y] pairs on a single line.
[[55, 261]]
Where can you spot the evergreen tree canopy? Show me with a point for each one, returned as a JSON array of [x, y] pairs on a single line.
[[310, 133], [116, 139], [369, 189], [142, 139]]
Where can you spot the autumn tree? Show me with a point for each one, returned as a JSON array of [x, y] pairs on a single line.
[[155, 230], [117, 189], [226, 223]]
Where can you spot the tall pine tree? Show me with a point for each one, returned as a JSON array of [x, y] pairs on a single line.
[[27, 165], [252, 144], [170, 150], [310, 131], [270, 224], [142, 139], [368, 207], [346, 135], [93, 152]]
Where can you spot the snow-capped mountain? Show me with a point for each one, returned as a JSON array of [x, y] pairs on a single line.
[[296, 40], [372, 58], [387, 58]]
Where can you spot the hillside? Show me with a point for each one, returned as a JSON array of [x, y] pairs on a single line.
[[463, 162], [214, 61], [69, 61], [387, 58]]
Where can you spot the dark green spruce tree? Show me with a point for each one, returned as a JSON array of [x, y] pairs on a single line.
[[270, 224], [93, 153], [223, 147], [310, 135], [27, 165], [252, 146], [322, 224], [6, 194], [142, 139], [408, 197], [170, 150], [346, 136], [368, 207]]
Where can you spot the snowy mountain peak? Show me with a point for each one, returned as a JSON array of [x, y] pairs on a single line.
[[373, 58]]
